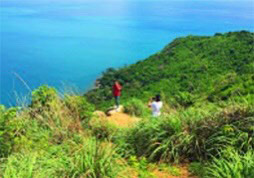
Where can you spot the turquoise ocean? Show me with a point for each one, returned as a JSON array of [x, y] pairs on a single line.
[[69, 43]]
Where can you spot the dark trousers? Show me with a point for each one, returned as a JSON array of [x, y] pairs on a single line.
[[117, 100]]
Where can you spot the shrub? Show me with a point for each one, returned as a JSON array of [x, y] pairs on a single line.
[[79, 107], [45, 98], [185, 99], [7, 131], [102, 129], [135, 107]]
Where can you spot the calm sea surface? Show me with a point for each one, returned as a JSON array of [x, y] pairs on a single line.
[[71, 42]]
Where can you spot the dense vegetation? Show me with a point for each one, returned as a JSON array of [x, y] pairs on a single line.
[[188, 70], [207, 122]]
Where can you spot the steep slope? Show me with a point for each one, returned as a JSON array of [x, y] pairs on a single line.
[[188, 70]]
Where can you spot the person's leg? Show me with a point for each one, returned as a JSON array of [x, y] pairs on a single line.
[[117, 100]]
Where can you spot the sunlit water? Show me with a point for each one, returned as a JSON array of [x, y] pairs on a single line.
[[71, 42]]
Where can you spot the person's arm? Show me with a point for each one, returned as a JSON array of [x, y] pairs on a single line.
[[118, 87]]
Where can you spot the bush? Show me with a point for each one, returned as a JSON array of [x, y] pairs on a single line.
[[79, 107], [135, 107], [7, 130], [102, 129], [185, 99], [45, 98]]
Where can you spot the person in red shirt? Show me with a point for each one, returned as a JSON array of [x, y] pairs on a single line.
[[117, 92]]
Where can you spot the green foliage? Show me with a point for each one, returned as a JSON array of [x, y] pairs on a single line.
[[159, 139], [184, 99], [141, 165], [232, 164], [197, 168], [145, 169], [178, 137], [135, 107], [79, 107], [89, 159], [207, 80], [102, 129], [188, 70], [34, 164], [2, 109], [45, 98], [231, 127], [170, 169], [96, 160], [7, 132]]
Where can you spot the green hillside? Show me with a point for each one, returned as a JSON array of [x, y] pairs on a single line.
[[206, 128], [188, 70]]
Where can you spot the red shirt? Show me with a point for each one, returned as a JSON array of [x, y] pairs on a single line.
[[117, 89]]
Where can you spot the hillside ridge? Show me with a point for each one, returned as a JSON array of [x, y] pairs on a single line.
[[189, 68]]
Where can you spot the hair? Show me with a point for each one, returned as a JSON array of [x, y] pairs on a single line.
[[158, 98]]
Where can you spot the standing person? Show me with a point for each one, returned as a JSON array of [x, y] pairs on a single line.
[[156, 106], [117, 93]]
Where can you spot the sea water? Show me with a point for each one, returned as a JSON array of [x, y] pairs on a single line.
[[71, 42]]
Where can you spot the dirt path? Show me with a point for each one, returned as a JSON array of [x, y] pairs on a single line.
[[121, 119], [118, 118], [184, 173]]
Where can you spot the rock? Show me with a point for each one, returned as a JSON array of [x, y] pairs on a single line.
[[110, 112], [120, 109], [114, 110]]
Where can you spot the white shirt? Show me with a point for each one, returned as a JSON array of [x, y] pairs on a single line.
[[156, 107]]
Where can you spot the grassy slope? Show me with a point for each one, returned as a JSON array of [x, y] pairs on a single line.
[[188, 70]]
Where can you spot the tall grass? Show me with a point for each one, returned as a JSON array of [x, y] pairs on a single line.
[[176, 138], [35, 164], [158, 139], [90, 159], [60, 137], [51, 139], [96, 160], [232, 164], [231, 127]]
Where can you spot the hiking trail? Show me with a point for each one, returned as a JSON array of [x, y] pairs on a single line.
[[118, 117], [123, 120]]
